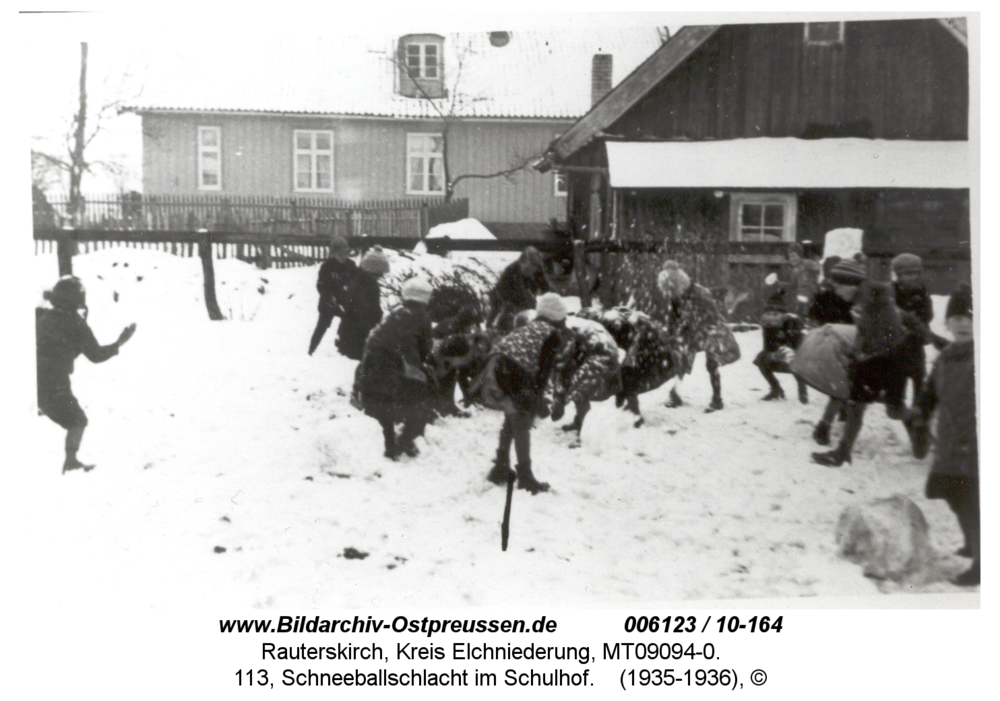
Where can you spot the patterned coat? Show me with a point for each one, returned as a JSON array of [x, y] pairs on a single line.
[[590, 368], [695, 324], [650, 358]]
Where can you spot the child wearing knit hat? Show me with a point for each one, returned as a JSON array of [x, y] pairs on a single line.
[[362, 304], [335, 274], [951, 391], [61, 335]]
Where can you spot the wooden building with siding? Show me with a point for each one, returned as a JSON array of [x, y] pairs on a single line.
[[350, 124], [771, 133]]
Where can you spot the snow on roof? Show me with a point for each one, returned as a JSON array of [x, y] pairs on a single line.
[[792, 163], [542, 74]]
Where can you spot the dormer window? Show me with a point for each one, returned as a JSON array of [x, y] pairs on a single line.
[[421, 66], [824, 32]]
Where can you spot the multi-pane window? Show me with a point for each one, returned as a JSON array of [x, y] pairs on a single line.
[[209, 158], [424, 164], [313, 161], [423, 60], [763, 218], [824, 32]]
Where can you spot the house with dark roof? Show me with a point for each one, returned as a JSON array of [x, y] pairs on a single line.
[[370, 117], [767, 134]]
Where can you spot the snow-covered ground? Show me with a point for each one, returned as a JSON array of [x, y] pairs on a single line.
[[232, 471]]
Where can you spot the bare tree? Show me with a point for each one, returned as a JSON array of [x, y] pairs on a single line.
[[451, 109], [72, 159]]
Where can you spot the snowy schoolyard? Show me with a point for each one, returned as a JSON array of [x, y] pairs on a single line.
[[231, 470]]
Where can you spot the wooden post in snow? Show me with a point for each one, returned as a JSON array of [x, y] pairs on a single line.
[[208, 269]]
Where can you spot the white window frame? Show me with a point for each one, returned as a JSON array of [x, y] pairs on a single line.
[[560, 178], [739, 199], [203, 150], [810, 40], [428, 157], [313, 152], [421, 70]]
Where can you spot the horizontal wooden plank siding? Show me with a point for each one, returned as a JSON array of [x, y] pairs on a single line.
[[369, 159], [906, 78]]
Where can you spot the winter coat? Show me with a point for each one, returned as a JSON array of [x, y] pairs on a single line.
[[362, 311], [830, 308], [332, 282], [696, 325], [589, 369], [60, 337], [650, 358], [524, 360], [951, 389], [515, 292], [402, 339]]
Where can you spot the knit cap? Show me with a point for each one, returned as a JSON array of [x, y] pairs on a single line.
[[339, 243], [848, 272], [672, 280], [551, 306], [416, 289], [375, 261], [67, 293], [907, 262], [960, 303]]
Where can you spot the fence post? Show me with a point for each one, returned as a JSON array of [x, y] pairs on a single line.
[[208, 269], [580, 269], [65, 249]]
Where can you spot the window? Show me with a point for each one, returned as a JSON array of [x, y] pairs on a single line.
[[422, 60], [560, 183], [424, 164], [762, 218], [313, 161], [824, 32], [209, 158]]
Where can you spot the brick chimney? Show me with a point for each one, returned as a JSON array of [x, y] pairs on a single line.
[[600, 77]]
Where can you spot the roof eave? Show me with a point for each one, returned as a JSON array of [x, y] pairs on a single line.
[[628, 92]]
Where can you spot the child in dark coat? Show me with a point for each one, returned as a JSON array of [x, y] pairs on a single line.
[[915, 304], [519, 284], [61, 335], [951, 390], [394, 383], [520, 368], [782, 334], [335, 274], [362, 304]]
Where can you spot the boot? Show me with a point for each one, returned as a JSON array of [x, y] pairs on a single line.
[[775, 393], [526, 480], [833, 458], [717, 404], [75, 464], [969, 578], [920, 436], [803, 393], [821, 434], [501, 470], [674, 401]]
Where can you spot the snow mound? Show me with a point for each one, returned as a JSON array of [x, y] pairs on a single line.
[[842, 242], [470, 274], [470, 230]]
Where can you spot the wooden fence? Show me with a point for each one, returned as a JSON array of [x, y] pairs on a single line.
[[319, 216]]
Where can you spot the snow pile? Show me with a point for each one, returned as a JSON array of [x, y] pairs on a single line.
[[842, 242], [470, 230], [471, 274]]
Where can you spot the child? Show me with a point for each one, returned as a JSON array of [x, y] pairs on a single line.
[[362, 304], [515, 291], [394, 383], [833, 305], [782, 334], [915, 304], [951, 389], [62, 334], [335, 274], [519, 370]]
